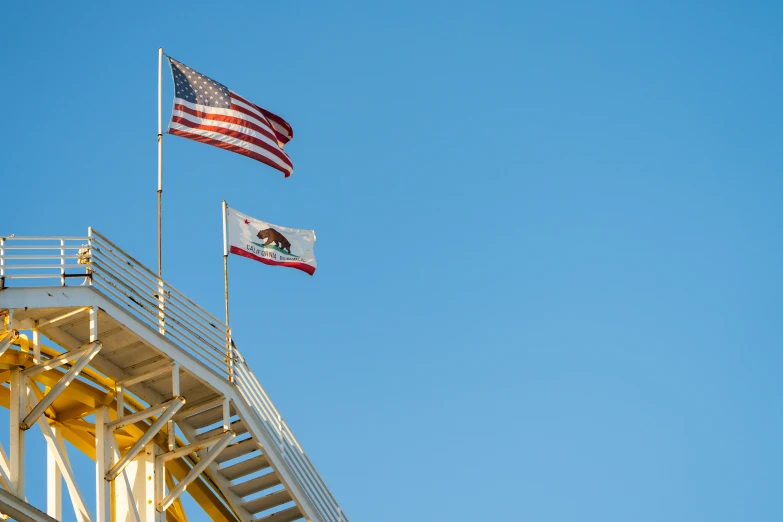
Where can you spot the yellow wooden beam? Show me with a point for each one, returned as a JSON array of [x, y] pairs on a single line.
[[80, 399]]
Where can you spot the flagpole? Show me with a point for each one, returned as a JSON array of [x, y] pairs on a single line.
[[160, 158], [225, 256], [229, 351], [161, 290]]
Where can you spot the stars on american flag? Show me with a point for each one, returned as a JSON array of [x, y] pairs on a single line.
[[197, 88]]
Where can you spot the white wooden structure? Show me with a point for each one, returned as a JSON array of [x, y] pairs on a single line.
[[145, 382]]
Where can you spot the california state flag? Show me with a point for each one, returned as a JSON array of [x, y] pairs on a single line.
[[268, 243]]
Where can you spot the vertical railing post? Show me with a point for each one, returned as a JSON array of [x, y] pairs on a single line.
[[89, 253], [280, 432], [229, 355], [161, 307], [62, 262]]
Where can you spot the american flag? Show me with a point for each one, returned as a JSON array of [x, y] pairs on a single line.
[[209, 112]]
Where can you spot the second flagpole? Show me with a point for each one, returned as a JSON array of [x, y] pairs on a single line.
[[229, 351], [225, 255]]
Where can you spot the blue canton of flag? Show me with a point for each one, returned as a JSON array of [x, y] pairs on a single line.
[[197, 88]]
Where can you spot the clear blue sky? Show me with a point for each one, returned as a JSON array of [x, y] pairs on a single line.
[[549, 250]]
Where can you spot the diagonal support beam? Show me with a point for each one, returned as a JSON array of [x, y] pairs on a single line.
[[211, 455], [175, 404], [21, 510], [61, 457], [130, 381], [92, 350], [48, 322], [139, 415], [131, 499], [54, 479], [5, 471], [191, 448], [56, 362], [7, 339]]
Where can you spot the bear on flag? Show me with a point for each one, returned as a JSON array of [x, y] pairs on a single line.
[[270, 244]]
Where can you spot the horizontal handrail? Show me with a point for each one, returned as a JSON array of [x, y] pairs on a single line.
[[108, 284], [140, 292], [171, 299], [42, 257], [33, 247], [39, 267], [44, 238], [146, 270], [172, 303], [37, 276]]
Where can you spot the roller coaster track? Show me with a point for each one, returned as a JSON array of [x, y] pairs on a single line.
[[98, 352]]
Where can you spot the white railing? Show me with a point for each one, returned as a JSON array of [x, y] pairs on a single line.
[[96, 261], [159, 305], [40, 258], [300, 466]]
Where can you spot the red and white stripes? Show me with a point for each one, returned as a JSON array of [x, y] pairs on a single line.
[[245, 128]]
